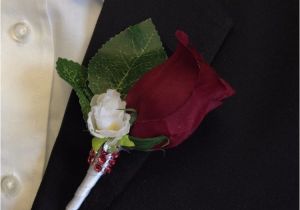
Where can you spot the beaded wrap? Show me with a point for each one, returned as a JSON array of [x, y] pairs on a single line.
[[101, 162]]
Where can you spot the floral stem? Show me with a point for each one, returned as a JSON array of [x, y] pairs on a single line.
[[92, 176]]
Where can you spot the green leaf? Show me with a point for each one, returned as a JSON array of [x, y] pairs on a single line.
[[125, 58], [133, 115], [76, 76], [84, 102], [97, 143], [148, 144], [74, 73], [126, 142]]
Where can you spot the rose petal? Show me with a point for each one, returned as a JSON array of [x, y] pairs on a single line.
[[173, 98]]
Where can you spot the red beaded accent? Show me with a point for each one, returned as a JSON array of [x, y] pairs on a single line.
[[98, 160], [115, 155], [91, 157], [108, 170], [112, 162], [101, 160], [98, 167]]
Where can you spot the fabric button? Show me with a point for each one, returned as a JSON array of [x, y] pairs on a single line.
[[10, 185], [20, 32]]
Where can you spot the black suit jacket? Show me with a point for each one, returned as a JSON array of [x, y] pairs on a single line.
[[243, 156]]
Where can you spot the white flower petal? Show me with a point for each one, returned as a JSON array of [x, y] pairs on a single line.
[[107, 117]]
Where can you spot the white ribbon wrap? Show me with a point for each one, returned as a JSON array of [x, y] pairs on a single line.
[[87, 184]]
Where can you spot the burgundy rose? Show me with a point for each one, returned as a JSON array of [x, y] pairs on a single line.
[[173, 98]]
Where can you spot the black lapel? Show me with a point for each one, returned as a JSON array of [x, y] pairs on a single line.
[[207, 25]]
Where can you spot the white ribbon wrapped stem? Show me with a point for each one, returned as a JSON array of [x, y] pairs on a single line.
[[87, 184]]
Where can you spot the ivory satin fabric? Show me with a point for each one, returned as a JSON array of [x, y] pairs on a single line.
[[33, 98]]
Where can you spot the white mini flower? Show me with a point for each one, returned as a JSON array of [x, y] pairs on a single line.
[[107, 117]]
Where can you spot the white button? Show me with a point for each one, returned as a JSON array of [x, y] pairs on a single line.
[[10, 185], [20, 31]]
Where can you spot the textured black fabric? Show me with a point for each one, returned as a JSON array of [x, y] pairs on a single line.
[[243, 156]]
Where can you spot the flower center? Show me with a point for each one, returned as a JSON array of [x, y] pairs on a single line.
[[114, 127]]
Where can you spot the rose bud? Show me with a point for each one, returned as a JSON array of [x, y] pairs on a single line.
[[173, 98], [107, 117]]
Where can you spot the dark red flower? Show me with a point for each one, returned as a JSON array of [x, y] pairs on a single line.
[[173, 98]]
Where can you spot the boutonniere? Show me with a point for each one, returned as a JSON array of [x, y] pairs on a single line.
[[133, 97]]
